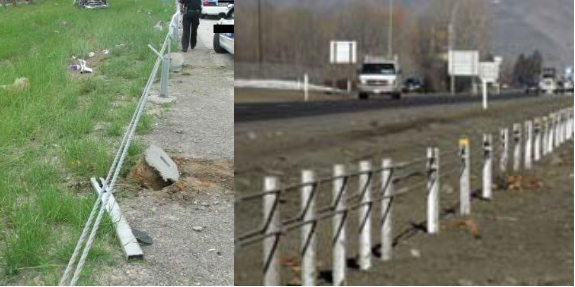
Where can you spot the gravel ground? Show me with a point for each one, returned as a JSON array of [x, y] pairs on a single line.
[[191, 222], [523, 237]]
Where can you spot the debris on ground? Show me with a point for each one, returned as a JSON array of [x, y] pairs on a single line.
[[415, 253], [20, 85], [463, 224], [142, 237], [520, 183], [91, 55], [198, 228], [159, 26], [156, 170], [82, 67]]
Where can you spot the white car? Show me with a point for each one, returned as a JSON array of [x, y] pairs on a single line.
[[215, 8], [225, 42]]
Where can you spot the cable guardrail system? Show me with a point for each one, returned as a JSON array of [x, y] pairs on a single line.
[[109, 184], [529, 143]]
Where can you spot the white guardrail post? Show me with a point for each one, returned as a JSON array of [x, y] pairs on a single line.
[[517, 147], [528, 144], [545, 136], [504, 149], [433, 191], [271, 261], [365, 184], [465, 180], [308, 237], [551, 134], [537, 140], [339, 196], [487, 167], [387, 210]]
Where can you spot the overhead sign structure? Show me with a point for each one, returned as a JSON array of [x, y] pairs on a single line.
[[489, 72], [343, 52], [463, 63]]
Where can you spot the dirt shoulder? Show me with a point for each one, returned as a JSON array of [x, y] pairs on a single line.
[[522, 237], [192, 221]]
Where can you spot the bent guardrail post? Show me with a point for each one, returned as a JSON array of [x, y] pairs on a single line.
[[308, 237], [365, 184], [387, 210], [433, 191], [271, 268], [465, 177], [487, 167], [340, 184]]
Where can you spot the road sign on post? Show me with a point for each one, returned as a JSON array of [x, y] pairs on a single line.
[[489, 74], [343, 52], [463, 63]]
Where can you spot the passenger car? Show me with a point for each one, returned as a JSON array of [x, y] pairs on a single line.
[[225, 42]]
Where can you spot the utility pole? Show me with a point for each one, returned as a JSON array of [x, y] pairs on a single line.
[[451, 30], [390, 34], [260, 50]]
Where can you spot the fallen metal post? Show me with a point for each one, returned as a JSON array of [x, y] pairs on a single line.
[[124, 233]]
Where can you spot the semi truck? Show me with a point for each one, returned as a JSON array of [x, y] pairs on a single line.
[[379, 76]]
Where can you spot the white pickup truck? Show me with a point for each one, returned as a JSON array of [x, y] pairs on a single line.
[[379, 76]]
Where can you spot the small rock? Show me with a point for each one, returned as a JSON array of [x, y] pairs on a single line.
[[415, 253], [205, 204], [465, 282], [447, 189], [252, 136], [198, 228], [91, 55], [511, 281], [180, 132]]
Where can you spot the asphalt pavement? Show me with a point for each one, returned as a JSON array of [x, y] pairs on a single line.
[[279, 111]]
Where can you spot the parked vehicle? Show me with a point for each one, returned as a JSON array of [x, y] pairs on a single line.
[[412, 85], [225, 42], [215, 8], [548, 84], [379, 76]]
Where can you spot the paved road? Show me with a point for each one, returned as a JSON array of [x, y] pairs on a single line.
[[277, 111]]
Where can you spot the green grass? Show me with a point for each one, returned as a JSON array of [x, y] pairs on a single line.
[[49, 134]]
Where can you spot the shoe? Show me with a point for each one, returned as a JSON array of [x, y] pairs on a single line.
[[184, 50]]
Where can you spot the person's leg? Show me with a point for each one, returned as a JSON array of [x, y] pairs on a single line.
[[186, 35], [195, 24]]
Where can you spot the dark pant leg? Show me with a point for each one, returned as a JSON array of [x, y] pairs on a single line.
[[187, 22], [195, 24]]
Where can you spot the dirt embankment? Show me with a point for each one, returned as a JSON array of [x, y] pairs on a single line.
[[522, 237]]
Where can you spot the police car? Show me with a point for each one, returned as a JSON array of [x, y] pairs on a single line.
[[215, 7], [225, 42]]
